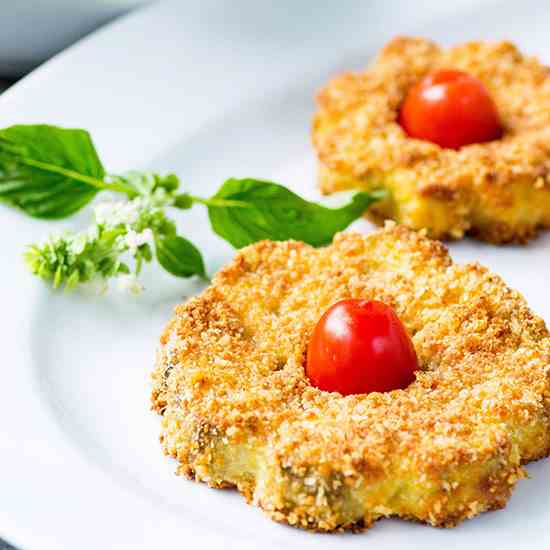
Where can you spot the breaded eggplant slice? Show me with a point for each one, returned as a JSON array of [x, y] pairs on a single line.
[[238, 409], [497, 191]]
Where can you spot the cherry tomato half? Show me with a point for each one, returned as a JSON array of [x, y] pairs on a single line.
[[360, 346], [450, 108]]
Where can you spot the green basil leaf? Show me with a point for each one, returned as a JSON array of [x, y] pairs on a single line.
[[179, 256], [265, 210], [48, 172]]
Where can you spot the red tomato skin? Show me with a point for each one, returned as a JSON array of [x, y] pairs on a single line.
[[360, 346], [452, 109]]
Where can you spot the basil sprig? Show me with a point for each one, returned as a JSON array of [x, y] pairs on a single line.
[[51, 172]]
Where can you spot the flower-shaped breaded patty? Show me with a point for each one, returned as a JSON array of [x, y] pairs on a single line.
[[498, 191], [238, 409]]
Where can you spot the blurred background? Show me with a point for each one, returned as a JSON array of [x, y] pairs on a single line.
[[32, 31]]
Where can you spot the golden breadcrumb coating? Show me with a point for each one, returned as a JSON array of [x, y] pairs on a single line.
[[239, 411], [498, 191]]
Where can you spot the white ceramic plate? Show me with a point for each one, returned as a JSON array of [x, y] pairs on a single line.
[[210, 90]]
